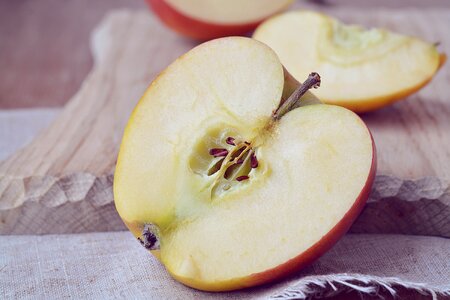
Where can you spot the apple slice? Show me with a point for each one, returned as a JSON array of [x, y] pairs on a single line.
[[207, 19], [229, 177], [360, 68]]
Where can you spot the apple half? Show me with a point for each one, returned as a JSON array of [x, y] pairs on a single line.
[[227, 187], [208, 19], [361, 69]]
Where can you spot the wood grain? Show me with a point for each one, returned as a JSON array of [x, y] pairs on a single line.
[[45, 44], [61, 182], [44, 48]]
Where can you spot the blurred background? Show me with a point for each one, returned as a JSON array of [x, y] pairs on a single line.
[[44, 44]]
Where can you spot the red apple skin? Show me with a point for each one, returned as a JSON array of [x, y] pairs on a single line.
[[197, 29], [305, 258]]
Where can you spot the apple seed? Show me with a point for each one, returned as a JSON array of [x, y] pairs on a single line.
[[253, 160], [230, 141], [243, 177], [217, 152]]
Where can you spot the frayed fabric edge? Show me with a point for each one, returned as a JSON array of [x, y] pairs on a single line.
[[334, 284]]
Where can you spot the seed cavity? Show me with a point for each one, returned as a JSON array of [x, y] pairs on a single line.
[[216, 167], [235, 164], [225, 159], [230, 171]]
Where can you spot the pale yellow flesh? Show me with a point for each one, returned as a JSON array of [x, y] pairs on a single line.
[[355, 64], [312, 170], [225, 83], [312, 165], [229, 11]]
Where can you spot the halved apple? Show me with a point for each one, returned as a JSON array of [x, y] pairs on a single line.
[[207, 19], [229, 177], [361, 69]]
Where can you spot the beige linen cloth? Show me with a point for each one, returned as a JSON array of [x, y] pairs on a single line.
[[112, 265]]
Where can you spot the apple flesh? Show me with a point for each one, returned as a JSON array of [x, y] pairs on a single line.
[[361, 69], [225, 194], [208, 19]]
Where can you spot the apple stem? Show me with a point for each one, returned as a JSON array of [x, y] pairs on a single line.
[[313, 81]]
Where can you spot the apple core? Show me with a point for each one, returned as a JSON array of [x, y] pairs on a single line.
[[225, 158]]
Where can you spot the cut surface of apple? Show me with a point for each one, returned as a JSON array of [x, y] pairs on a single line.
[[360, 69], [233, 197], [207, 19]]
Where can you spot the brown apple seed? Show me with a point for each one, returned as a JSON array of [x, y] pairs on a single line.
[[217, 152], [230, 141], [243, 177], [253, 160]]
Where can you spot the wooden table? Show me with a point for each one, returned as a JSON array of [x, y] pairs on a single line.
[[45, 56], [44, 45], [68, 168]]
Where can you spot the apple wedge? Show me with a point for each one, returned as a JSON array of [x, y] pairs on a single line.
[[233, 174], [358, 66], [207, 19]]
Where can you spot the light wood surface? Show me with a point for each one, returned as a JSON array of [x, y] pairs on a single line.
[[62, 181], [44, 45]]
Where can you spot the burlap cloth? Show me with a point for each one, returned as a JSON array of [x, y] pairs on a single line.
[[114, 265]]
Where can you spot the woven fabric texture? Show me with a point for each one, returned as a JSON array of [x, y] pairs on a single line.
[[113, 265]]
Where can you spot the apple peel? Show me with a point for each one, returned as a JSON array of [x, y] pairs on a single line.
[[251, 179]]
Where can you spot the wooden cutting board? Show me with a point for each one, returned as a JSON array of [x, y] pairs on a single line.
[[62, 181]]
